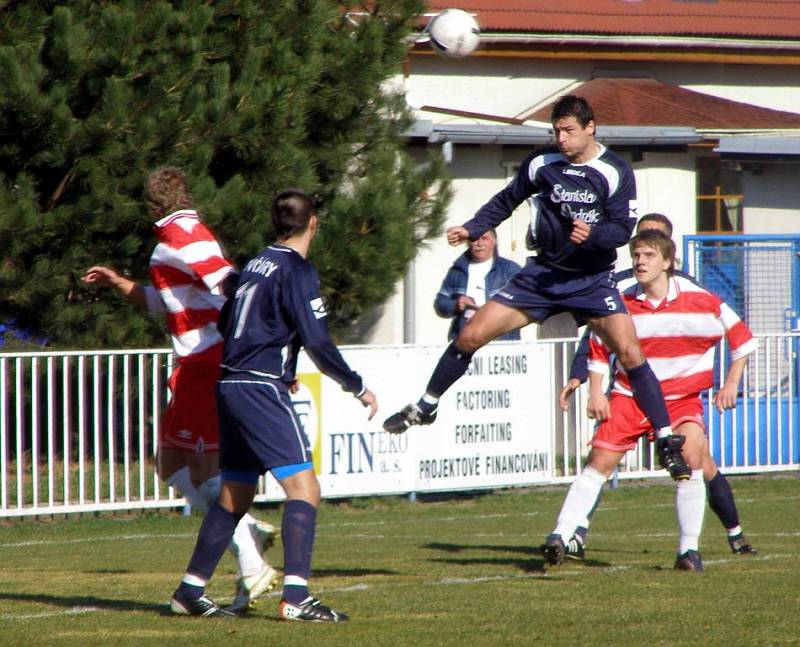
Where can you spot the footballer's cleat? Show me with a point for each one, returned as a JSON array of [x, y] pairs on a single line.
[[740, 546], [264, 535], [554, 550], [574, 549], [310, 610], [250, 587], [409, 415], [670, 458], [202, 606], [689, 561]]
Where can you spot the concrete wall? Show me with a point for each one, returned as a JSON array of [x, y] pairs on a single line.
[[771, 204]]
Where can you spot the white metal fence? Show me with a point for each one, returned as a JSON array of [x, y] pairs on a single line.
[[78, 429]]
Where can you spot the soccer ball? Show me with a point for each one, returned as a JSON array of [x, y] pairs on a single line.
[[453, 33]]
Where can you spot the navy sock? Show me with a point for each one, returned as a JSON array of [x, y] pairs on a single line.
[[452, 365], [298, 528], [212, 540], [648, 395], [190, 591], [720, 500]]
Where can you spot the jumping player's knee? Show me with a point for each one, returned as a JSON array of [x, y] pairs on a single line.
[[630, 354], [468, 341]]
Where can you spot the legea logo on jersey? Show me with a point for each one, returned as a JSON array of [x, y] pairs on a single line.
[[308, 406]]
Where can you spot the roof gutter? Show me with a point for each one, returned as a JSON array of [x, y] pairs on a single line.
[[759, 147], [538, 136], [632, 41]]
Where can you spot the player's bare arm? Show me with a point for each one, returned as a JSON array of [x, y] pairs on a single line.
[[457, 235], [105, 277]]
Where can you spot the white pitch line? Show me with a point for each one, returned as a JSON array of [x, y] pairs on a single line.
[[646, 535], [74, 611], [87, 540]]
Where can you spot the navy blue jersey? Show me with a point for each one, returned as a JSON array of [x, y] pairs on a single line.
[[276, 310], [601, 192]]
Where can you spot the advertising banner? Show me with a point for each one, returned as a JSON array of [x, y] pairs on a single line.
[[493, 426]]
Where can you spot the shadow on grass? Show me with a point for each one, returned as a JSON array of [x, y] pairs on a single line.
[[108, 571], [527, 565], [457, 548], [86, 602]]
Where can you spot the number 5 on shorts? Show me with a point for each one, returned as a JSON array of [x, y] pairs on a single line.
[[611, 303]]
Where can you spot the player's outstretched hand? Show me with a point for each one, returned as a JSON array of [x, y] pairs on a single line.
[[457, 235], [566, 392], [368, 399], [101, 276], [580, 232]]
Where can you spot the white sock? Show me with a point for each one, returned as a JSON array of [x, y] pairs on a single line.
[[242, 546], [690, 506], [736, 530], [579, 502], [663, 432], [182, 480]]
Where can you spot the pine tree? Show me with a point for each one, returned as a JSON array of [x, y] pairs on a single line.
[[248, 97]]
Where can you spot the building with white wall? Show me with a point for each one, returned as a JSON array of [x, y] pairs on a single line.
[[702, 98]]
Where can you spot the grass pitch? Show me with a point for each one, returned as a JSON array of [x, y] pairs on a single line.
[[462, 571]]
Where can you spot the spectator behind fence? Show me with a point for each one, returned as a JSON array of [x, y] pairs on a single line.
[[471, 281]]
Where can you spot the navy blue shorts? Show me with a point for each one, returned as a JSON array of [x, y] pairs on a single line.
[[259, 429], [541, 292]]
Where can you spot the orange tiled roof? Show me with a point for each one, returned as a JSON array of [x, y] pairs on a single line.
[[771, 19], [648, 102]]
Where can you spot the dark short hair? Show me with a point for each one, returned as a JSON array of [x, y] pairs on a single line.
[[656, 217], [167, 190], [657, 240], [291, 212], [571, 105]]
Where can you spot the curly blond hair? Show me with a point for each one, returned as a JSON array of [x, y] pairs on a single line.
[[168, 191]]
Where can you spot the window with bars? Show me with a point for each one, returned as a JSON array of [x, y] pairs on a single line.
[[719, 196]]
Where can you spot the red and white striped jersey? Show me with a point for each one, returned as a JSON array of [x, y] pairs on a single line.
[[678, 338], [187, 268]]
